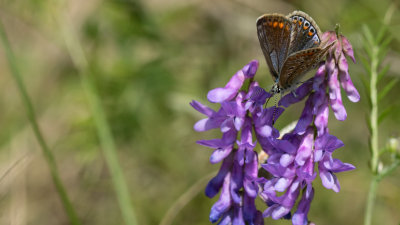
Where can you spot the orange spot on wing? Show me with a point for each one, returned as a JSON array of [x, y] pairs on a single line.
[[281, 25], [287, 27], [305, 28], [300, 23], [270, 24], [275, 24], [310, 33], [294, 21]]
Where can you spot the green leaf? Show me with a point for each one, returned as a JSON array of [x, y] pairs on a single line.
[[367, 48], [385, 113], [383, 72], [381, 33], [381, 55], [386, 89], [368, 35], [385, 42], [366, 89], [366, 64]]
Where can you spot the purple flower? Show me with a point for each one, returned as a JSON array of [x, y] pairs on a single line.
[[237, 176], [244, 120], [292, 159], [337, 56]]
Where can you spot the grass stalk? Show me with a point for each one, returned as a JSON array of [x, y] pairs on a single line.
[[48, 155], [103, 130]]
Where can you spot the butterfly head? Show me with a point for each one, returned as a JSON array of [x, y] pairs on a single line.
[[276, 89]]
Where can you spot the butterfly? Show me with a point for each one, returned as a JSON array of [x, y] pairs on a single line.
[[291, 46]]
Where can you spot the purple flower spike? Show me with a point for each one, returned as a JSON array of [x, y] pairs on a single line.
[[237, 177], [292, 158], [340, 50]]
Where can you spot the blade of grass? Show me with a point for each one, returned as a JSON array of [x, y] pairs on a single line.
[[184, 199], [103, 130], [48, 155]]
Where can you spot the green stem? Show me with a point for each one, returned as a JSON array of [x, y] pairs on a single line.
[[103, 130], [370, 200], [374, 110], [374, 135], [372, 190], [48, 155]]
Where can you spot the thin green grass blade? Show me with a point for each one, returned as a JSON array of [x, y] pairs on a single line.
[[103, 130], [48, 155]]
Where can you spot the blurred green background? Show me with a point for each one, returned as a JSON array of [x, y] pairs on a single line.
[[149, 59]]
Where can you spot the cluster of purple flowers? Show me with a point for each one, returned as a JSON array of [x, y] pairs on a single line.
[[291, 157]]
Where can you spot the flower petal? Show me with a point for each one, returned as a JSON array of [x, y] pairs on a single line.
[[300, 216], [250, 69], [219, 154], [305, 148], [215, 184], [224, 202], [336, 97], [236, 183], [219, 95], [208, 124], [348, 86], [347, 48], [202, 108]]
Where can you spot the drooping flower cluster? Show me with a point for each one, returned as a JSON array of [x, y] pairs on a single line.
[[292, 161], [291, 158]]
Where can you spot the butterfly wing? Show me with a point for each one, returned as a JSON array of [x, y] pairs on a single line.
[[299, 63], [305, 32], [274, 36]]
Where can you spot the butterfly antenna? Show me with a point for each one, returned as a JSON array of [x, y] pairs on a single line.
[[272, 95], [266, 103]]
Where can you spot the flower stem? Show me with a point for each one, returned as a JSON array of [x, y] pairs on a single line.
[[103, 130], [374, 135], [370, 200], [48, 155], [374, 110]]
